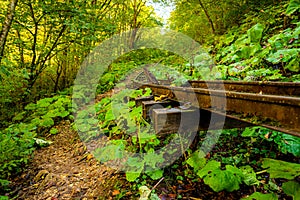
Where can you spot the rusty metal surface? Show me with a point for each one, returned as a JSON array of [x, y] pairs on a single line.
[[273, 88], [276, 107]]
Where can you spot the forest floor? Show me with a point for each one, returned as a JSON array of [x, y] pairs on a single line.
[[64, 170]]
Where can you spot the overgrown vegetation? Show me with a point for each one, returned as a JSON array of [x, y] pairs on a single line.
[[27, 132], [255, 161], [48, 40]]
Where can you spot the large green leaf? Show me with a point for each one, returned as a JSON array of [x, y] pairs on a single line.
[[249, 175], [281, 169], [112, 151], [251, 132], [152, 159], [197, 160], [293, 65], [261, 196], [136, 166], [255, 33], [44, 102], [209, 167], [47, 122], [132, 176], [284, 55], [288, 143], [154, 175], [294, 5], [229, 179], [110, 115], [292, 188]]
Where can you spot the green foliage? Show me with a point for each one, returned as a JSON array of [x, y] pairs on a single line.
[[16, 149], [281, 169], [285, 143], [12, 90], [264, 51], [292, 188], [294, 6], [219, 179], [260, 196], [18, 141], [229, 179], [119, 118], [197, 160], [255, 33]]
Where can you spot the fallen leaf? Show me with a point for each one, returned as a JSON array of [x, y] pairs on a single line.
[[172, 195], [115, 192]]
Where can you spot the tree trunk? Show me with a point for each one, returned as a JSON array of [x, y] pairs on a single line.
[[6, 25], [208, 17]]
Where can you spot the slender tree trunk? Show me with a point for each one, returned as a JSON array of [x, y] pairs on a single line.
[[6, 25], [208, 17]]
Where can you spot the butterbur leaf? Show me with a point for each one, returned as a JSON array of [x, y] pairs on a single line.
[[64, 113], [19, 116], [281, 169], [132, 176], [293, 65], [255, 33], [152, 159], [110, 115], [251, 132], [197, 160], [30, 106], [135, 162], [44, 102], [284, 55], [110, 152], [261, 196], [135, 168], [292, 188], [155, 175], [220, 180], [84, 127], [249, 175], [288, 143], [209, 167]]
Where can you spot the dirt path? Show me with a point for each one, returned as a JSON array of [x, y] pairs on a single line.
[[64, 170]]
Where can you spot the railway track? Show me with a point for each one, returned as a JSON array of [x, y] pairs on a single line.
[[275, 105]]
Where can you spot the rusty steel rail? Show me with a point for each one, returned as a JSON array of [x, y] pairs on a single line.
[[275, 105], [273, 88]]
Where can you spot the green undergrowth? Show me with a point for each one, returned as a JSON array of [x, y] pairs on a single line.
[[265, 47], [27, 132], [131, 63], [122, 123], [250, 157], [256, 157]]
